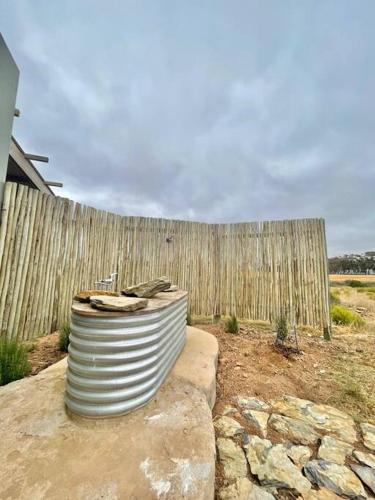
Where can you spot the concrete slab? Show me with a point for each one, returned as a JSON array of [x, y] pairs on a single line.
[[164, 450]]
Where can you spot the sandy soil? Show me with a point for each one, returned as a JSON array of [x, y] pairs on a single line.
[[43, 352]]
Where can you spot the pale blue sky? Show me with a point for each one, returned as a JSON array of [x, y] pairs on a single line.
[[213, 111]]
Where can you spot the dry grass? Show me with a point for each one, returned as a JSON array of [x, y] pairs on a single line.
[[359, 302], [358, 277]]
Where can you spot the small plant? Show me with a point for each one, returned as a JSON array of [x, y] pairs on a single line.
[[231, 324], [189, 319], [281, 329], [30, 346], [216, 318], [342, 316], [334, 297], [13, 361], [64, 337]]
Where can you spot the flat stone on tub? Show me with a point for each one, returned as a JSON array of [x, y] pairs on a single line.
[[148, 289], [84, 295], [117, 303]]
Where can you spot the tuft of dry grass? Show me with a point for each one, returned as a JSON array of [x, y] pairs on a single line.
[[355, 379], [360, 277]]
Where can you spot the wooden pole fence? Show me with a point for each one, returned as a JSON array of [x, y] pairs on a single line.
[[51, 247]]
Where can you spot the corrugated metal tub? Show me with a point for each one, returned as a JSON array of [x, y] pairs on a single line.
[[117, 361]]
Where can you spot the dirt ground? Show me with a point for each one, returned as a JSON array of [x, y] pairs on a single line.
[[43, 352], [340, 373]]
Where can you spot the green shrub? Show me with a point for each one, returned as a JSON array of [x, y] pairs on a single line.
[[189, 319], [13, 361], [216, 318], [334, 297], [354, 283], [281, 329], [342, 316], [64, 337], [231, 324]]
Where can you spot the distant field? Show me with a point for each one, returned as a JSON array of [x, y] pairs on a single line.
[[359, 277]]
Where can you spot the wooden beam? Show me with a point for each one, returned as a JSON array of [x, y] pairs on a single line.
[[18, 155], [29, 156], [53, 183]]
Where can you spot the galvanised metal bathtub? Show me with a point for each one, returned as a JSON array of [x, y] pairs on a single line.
[[117, 361]]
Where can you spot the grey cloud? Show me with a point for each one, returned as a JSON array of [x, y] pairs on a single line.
[[214, 111]]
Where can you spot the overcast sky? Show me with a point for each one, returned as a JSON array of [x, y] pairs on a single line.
[[216, 111]]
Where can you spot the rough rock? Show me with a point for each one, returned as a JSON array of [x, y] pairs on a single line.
[[334, 450], [296, 429], [84, 295], [232, 458], [365, 458], [198, 374], [252, 403], [366, 474], [337, 478], [149, 288], [243, 489], [259, 419], [255, 448], [275, 469], [300, 455], [228, 427], [321, 494], [165, 449], [368, 433], [117, 303], [229, 409], [322, 417]]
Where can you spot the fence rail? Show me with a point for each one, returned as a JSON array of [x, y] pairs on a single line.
[[52, 247]]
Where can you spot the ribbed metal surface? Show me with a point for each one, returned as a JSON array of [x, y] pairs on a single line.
[[116, 364]]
